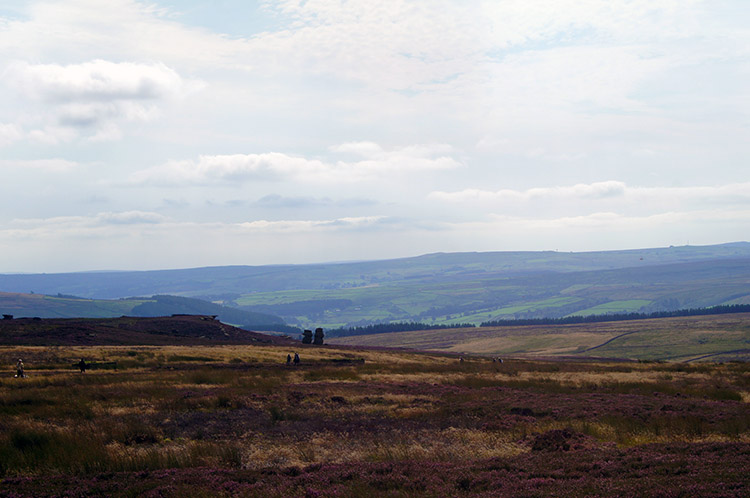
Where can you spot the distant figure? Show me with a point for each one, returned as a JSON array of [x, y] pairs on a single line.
[[500, 360], [288, 359], [19, 369], [461, 359], [296, 359], [82, 365]]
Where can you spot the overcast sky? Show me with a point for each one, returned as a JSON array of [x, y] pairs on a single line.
[[172, 134]]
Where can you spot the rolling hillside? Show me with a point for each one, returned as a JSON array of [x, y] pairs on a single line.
[[529, 295], [440, 288]]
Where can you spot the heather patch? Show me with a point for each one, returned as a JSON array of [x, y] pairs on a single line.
[[400, 424]]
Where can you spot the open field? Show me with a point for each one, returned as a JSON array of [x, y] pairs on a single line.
[[714, 337], [235, 420]]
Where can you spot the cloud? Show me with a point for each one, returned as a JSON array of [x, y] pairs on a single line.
[[104, 219], [94, 97], [347, 223], [96, 81], [602, 191], [9, 133], [374, 162], [610, 222], [130, 218], [149, 226], [597, 190], [297, 202]]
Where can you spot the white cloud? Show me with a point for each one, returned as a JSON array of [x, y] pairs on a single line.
[[52, 134], [375, 162], [94, 97], [104, 219], [9, 133], [130, 218], [349, 223], [107, 221], [602, 191], [96, 81], [611, 223]]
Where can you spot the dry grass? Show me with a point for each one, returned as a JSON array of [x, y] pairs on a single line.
[[243, 407], [684, 338]]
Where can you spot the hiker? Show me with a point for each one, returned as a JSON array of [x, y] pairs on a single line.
[[19, 369], [82, 366], [288, 359], [296, 359]]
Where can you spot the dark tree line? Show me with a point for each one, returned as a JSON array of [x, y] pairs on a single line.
[[383, 328]]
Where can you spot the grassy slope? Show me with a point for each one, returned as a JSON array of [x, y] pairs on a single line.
[[64, 307], [441, 288], [647, 288], [683, 339]]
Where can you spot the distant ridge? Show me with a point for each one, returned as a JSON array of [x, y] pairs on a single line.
[[435, 289], [227, 282]]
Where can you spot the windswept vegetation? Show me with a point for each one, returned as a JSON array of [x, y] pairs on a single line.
[[237, 421]]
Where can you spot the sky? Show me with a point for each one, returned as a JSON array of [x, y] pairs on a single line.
[[139, 135]]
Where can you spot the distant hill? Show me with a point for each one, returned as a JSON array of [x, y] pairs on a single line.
[[64, 306], [175, 330], [440, 289]]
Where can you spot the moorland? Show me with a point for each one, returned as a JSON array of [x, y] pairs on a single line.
[[234, 419]]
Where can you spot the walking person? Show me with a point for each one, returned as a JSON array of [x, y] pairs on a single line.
[[82, 365], [19, 369], [296, 359]]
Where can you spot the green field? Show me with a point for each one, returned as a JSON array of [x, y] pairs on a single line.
[[543, 295], [628, 306]]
